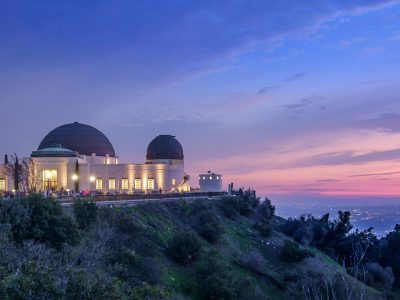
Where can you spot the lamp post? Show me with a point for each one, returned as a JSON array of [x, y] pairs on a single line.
[[75, 180], [91, 179]]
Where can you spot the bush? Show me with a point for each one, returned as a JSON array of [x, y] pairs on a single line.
[[149, 292], [85, 213], [248, 203], [379, 277], [215, 278], [184, 247], [253, 261], [30, 282], [229, 207], [291, 252], [265, 230], [208, 226], [244, 205], [40, 219], [81, 285], [265, 212]]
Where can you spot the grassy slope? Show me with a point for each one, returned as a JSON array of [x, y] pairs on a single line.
[[273, 279]]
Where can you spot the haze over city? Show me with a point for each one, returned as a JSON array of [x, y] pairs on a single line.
[[289, 98]]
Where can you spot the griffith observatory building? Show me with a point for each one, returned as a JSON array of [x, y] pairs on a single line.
[[78, 155]]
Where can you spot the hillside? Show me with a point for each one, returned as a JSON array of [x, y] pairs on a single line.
[[219, 249]]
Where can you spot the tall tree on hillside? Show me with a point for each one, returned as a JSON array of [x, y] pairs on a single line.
[[76, 179], [16, 173], [23, 173]]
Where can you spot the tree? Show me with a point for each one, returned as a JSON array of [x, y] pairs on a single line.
[[184, 247], [76, 183], [208, 226], [85, 213], [23, 173], [390, 254], [40, 219]]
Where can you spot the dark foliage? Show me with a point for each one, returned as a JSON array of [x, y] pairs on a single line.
[[243, 204], [40, 219], [82, 286], [85, 213], [214, 278], [184, 247], [265, 230], [149, 292], [390, 254], [208, 226], [321, 233], [292, 253], [264, 213], [380, 258]]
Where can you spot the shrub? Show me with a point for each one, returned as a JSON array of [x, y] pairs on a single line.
[[215, 278], [30, 282], [184, 247], [83, 285], [379, 277], [265, 212], [390, 254], [291, 252], [253, 261], [208, 226], [248, 203], [85, 213], [265, 230], [229, 207], [40, 219], [244, 205], [149, 292]]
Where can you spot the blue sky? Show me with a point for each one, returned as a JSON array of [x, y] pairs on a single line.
[[282, 96]]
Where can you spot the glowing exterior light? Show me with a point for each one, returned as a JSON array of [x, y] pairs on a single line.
[[99, 184], [92, 178], [210, 178], [125, 184], [138, 184], [74, 177], [111, 184], [2, 184]]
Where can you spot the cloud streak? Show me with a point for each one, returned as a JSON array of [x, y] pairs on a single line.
[[294, 77]]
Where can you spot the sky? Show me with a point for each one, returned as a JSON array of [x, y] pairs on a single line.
[[290, 98]]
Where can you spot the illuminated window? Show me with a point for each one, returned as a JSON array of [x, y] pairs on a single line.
[[2, 184], [99, 184], [111, 184], [138, 184], [173, 181], [150, 184], [125, 184], [49, 179]]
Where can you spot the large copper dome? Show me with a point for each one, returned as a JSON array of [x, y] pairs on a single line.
[[164, 147], [80, 138]]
